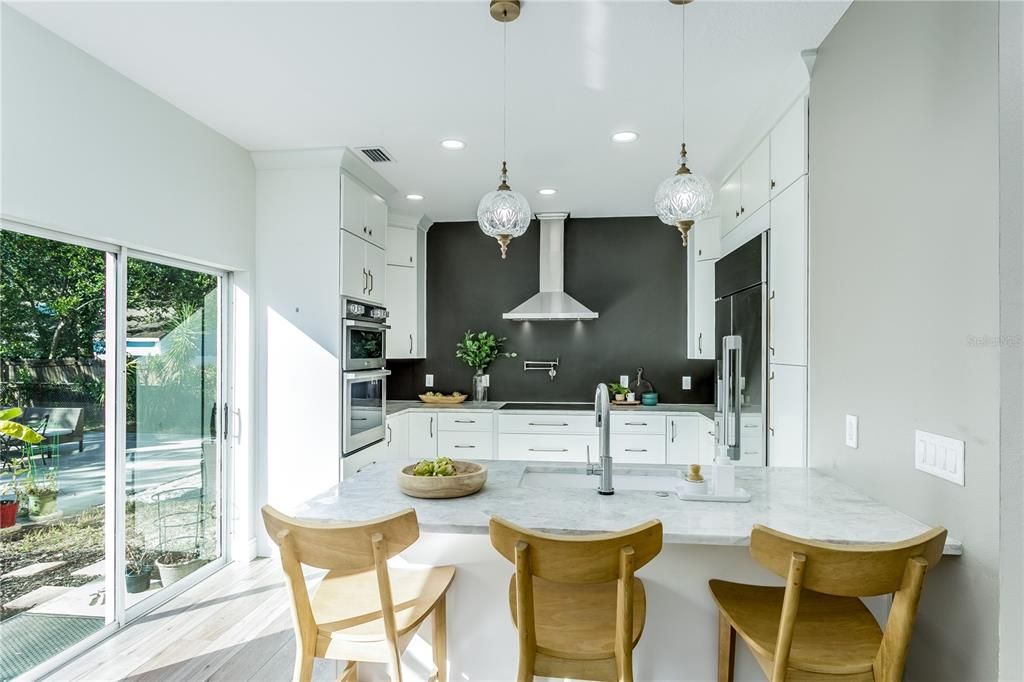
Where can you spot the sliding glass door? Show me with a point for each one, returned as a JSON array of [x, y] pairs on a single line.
[[116, 359]]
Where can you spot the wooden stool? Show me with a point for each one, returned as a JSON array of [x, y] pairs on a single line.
[[816, 627], [575, 601], [362, 610]]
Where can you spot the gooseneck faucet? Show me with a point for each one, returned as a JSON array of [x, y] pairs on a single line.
[[602, 409]]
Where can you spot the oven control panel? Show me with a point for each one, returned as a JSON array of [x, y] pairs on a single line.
[[365, 312]]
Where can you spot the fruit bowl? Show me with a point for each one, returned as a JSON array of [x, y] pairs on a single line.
[[469, 478], [441, 399]]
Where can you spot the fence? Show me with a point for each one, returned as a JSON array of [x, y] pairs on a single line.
[[62, 382]]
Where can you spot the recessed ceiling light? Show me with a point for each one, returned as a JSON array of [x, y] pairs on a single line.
[[453, 145], [547, 191], [625, 136], [414, 197]]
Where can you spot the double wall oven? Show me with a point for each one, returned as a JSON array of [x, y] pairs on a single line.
[[364, 376]]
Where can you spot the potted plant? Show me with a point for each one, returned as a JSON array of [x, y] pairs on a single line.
[[173, 566], [138, 568], [619, 392], [478, 351], [11, 491], [41, 493]]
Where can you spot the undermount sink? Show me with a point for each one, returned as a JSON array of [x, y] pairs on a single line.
[[577, 479]]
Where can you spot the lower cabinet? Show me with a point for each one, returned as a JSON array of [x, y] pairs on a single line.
[[396, 437], [422, 435], [466, 444], [637, 449], [545, 447], [682, 440]]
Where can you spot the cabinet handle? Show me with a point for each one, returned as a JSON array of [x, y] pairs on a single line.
[[365, 281], [771, 185], [737, 214], [410, 259], [465, 421], [548, 450], [371, 282], [364, 229], [673, 430], [431, 427], [371, 232], [700, 342], [410, 344], [546, 424], [389, 434], [636, 424], [771, 404], [465, 447], [636, 449], [742, 210], [750, 426]]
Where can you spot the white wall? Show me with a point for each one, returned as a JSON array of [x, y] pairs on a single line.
[[904, 291], [87, 151]]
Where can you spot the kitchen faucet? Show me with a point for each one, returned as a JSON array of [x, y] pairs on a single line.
[[602, 408]]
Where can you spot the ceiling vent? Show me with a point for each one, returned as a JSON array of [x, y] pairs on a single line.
[[377, 154]]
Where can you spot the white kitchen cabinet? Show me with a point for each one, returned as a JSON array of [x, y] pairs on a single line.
[[401, 304], [751, 441], [706, 238], [396, 436], [700, 308], [789, 148], [363, 213], [637, 449], [547, 423], [729, 202], [363, 269], [636, 423], [547, 447], [682, 442], [422, 435], [401, 246], [706, 441], [453, 420], [787, 416], [787, 278], [465, 444], [755, 180], [357, 461]]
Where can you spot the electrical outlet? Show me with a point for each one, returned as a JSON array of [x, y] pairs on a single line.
[[687, 383], [851, 431], [429, 383], [623, 380]]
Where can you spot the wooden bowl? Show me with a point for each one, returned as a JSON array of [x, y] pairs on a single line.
[[443, 399], [469, 478]]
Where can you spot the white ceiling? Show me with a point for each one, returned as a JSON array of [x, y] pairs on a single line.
[[283, 75]]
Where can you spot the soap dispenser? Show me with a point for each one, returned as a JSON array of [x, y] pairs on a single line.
[[723, 473]]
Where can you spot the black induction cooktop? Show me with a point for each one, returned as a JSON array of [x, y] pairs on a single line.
[[557, 407]]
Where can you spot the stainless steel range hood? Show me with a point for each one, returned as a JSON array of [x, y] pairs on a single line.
[[551, 303]]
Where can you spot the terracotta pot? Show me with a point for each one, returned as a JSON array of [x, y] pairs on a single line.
[[8, 513]]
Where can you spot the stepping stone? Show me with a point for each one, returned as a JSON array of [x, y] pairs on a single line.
[[33, 569], [36, 596], [92, 569]]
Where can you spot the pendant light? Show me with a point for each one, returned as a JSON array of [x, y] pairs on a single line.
[[683, 197], [504, 214]]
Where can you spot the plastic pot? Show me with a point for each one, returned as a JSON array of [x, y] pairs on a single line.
[[8, 513], [138, 583]]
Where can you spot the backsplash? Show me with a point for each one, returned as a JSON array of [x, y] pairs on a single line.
[[630, 270]]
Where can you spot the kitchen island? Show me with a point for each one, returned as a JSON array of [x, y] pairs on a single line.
[[703, 540]]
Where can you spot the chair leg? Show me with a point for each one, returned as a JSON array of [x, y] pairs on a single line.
[[303, 666], [726, 649], [350, 673], [440, 640], [394, 663]]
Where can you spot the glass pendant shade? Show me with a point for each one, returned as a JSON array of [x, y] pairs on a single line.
[[683, 198], [504, 214]]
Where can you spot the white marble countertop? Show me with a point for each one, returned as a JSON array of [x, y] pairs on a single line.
[[399, 406], [802, 502]]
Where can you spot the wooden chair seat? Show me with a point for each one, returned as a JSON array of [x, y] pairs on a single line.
[[819, 646], [577, 622], [346, 606]]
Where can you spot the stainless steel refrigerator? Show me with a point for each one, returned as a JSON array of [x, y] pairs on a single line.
[[740, 353]]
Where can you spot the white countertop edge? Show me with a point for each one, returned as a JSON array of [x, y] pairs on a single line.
[[398, 407]]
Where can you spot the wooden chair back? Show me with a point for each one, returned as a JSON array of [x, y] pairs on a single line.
[[340, 545], [850, 571], [587, 559], [577, 559]]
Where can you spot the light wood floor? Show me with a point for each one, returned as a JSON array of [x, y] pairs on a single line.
[[234, 626]]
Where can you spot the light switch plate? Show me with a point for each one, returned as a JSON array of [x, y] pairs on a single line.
[[851, 431], [429, 383], [687, 383], [939, 456], [623, 380]]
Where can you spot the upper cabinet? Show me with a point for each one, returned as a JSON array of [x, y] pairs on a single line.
[[363, 213], [700, 289], [406, 293], [706, 239], [789, 148], [363, 269], [729, 200], [755, 180], [787, 277], [402, 246]]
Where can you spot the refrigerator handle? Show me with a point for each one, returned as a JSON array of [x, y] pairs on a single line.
[[732, 355]]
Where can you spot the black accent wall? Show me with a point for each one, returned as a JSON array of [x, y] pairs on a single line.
[[630, 270]]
